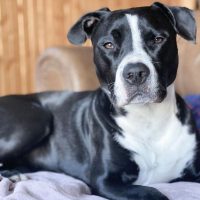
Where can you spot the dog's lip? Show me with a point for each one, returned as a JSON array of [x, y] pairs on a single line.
[[135, 95], [128, 100], [132, 97]]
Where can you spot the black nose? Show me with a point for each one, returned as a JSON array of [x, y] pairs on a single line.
[[136, 73]]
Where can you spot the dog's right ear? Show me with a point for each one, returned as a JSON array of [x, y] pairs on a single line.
[[83, 28]]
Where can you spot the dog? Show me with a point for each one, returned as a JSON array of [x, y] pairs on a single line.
[[133, 131]]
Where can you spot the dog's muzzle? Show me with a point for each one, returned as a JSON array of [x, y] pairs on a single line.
[[137, 83]]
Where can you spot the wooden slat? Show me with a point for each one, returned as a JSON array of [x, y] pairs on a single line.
[[2, 81], [22, 46], [10, 47], [27, 27], [32, 53]]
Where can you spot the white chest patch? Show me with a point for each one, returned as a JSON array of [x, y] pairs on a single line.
[[160, 145]]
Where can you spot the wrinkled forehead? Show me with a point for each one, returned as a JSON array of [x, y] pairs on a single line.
[[125, 22]]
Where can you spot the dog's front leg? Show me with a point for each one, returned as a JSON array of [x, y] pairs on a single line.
[[121, 191]]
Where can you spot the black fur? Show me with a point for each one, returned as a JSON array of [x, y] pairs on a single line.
[[74, 132]]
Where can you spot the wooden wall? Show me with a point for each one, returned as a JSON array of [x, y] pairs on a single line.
[[27, 27]]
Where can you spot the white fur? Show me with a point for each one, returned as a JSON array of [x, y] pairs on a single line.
[[138, 54], [160, 144]]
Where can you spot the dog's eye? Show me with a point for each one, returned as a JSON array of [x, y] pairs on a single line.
[[108, 45], [158, 39]]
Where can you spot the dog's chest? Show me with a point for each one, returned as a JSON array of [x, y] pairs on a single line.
[[160, 145]]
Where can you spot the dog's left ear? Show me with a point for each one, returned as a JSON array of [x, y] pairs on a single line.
[[83, 28], [181, 18]]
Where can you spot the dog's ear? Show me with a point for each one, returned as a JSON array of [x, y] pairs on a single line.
[[181, 18], [83, 28]]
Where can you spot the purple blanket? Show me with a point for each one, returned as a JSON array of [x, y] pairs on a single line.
[[193, 102], [54, 186]]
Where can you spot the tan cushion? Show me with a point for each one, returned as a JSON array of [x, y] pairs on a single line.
[[61, 68], [188, 79]]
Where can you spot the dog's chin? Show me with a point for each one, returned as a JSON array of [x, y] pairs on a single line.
[[140, 98]]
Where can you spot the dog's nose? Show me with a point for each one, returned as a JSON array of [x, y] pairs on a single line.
[[136, 73]]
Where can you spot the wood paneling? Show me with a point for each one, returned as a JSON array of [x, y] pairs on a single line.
[[27, 27]]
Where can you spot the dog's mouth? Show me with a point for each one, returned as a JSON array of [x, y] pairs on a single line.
[[137, 94], [141, 94], [140, 97], [144, 97], [137, 98]]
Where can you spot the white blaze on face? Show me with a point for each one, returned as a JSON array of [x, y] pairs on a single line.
[[137, 55]]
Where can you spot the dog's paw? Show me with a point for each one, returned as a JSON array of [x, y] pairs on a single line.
[[18, 178], [13, 175]]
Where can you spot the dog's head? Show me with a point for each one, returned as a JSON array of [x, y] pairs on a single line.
[[135, 50]]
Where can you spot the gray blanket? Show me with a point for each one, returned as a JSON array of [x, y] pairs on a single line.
[[54, 186]]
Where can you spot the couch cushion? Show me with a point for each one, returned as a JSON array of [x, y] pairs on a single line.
[[71, 68]]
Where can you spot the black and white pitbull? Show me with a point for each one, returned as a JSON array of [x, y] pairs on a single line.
[[131, 132]]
